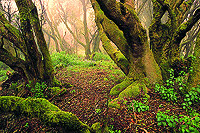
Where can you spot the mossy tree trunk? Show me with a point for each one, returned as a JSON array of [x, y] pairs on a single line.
[[37, 65], [119, 23], [165, 38], [194, 78]]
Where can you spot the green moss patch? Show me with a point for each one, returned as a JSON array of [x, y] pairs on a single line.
[[131, 91], [43, 109], [114, 103], [57, 90], [120, 87]]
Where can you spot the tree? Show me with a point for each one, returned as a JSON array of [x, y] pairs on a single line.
[[36, 65], [118, 22], [11, 15], [70, 23]]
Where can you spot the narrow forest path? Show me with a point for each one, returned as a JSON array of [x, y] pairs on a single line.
[[88, 94]]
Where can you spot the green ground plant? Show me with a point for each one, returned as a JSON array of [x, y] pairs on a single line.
[[112, 130], [3, 69], [167, 91], [38, 90], [98, 111], [101, 56], [137, 106], [176, 90], [191, 98], [189, 124], [26, 125], [63, 59]]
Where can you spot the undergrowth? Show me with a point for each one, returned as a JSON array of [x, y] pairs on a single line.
[[3, 69], [175, 90], [63, 59]]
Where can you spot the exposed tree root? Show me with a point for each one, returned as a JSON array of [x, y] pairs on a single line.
[[132, 90], [120, 87]]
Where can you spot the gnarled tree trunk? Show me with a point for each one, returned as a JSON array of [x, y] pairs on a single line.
[[37, 65], [118, 22]]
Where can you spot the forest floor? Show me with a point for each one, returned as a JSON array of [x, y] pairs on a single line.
[[88, 97]]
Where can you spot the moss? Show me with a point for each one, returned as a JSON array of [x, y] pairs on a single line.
[[56, 91], [54, 82], [194, 78], [122, 59], [13, 30], [96, 127], [43, 109], [114, 103], [120, 87], [7, 104], [182, 27], [131, 91]]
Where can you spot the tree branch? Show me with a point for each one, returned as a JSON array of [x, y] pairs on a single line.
[[179, 3], [12, 34], [166, 7], [71, 32], [50, 35], [186, 26], [116, 55], [13, 62], [112, 31], [129, 23], [158, 12]]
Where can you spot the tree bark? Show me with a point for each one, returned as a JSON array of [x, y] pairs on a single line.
[[194, 78]]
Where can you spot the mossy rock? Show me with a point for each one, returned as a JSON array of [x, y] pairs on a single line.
[[97, 128], [44, 110]]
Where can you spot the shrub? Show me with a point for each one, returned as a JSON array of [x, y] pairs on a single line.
[[137, 106], [189, 124], [38, 90], [60, 59]]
